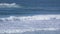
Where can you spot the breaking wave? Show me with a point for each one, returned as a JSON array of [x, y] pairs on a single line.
[[14, 5], [29, 18], [9, 5], [30, 26]]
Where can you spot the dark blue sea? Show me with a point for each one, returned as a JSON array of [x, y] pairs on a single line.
[[29, 16]]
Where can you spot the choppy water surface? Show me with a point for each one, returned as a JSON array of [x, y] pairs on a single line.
[[29, 17]]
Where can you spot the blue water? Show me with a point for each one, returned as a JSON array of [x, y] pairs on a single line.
[[18, 15], [31, 7]]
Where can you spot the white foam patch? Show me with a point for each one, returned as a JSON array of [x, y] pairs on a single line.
[[29, 18], [9, 5], [25, 30]]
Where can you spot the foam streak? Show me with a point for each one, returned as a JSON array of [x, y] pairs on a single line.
[[7, 5]]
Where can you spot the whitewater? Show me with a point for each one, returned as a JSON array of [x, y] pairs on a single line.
[[27, 18], [21, 24]]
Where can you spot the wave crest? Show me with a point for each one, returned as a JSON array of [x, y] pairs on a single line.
[[29, 18], [7, 5]]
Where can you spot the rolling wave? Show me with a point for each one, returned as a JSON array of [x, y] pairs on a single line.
[[30, 18], [30, 23]]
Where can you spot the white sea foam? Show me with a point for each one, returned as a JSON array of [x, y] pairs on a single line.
[[30, 26], [9, 5], [29, 18], [25, 30]]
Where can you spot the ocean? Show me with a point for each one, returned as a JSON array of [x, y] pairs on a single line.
[[29, 17]]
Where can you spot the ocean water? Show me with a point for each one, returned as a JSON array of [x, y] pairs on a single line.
[[29, 17]]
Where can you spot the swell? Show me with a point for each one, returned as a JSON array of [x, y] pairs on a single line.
[[27, 12]]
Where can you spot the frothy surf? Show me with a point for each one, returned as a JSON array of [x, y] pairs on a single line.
[[27, 30], [29, 18]]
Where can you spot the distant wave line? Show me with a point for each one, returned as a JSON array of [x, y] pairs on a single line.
[[7, 5]]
